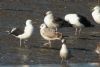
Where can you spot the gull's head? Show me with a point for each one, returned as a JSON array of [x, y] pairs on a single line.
[[43, 26], [96, 8], [28, 22], [63, 40], [64, 44], [48, 12]]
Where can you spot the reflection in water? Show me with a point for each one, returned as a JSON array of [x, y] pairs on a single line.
[[59, 65], [24, 57], [22, 66], [25, 66], [65, 65], [85, 65]]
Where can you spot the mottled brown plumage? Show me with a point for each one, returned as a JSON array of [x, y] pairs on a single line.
[[49, 34]]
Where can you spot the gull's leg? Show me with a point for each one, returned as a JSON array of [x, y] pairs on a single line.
[[80, 30], [20, 42], [76, 30], [56, 29], [49, 43], [61, 60], [67, 61], [45, 44], [25, 41]]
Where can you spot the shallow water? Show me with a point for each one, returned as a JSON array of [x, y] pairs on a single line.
[[57, 65], [13, 13]]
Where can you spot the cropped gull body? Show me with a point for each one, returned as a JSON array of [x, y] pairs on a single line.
[[78, 21], [97, 50], [55, 22], [96, 14]]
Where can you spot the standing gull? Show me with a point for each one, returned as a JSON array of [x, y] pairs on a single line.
[[96, 14], [23, 34], [63, 51], [49, 34], [55, 22], [78, 21]]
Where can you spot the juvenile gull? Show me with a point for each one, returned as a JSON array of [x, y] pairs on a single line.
[[23, 34], [78, 21], [55, 22], [49, 34], [63, 51], [96, 14]]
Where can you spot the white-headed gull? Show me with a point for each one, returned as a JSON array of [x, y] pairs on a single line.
[[23, 34]]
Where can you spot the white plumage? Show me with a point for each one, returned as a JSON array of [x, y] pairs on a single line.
[[74, 20], [55, 22], [96, 14], [78, 21], [49, 20], [23, 34], [27, 31], [63, 51]]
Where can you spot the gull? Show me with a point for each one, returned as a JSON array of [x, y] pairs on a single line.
[[96, 14], [63, 51], [49, 34], [55, 22], [23, 34], [78, 21], [97, 50]]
